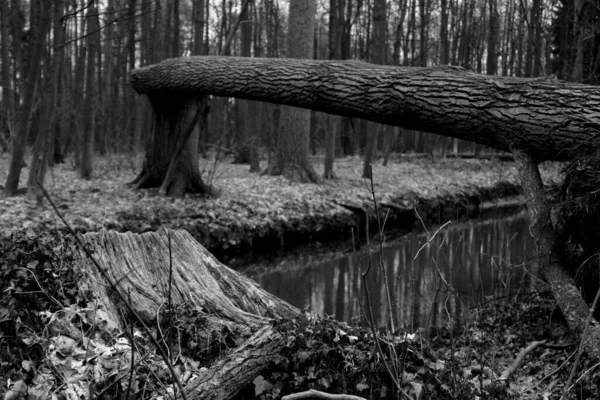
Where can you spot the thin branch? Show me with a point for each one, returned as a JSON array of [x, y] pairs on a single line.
[[520, 357], [431, 238]]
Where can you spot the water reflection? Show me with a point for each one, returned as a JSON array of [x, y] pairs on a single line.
[[430, 282]]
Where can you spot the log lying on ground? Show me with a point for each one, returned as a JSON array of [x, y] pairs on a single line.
[[550, 119], [145, 267]]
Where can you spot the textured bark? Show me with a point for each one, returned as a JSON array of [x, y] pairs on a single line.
[[30, 87], [239, 368], [550, 119], [293, 135], [45, 135], [89, 108], [139, 266], [172, 120]]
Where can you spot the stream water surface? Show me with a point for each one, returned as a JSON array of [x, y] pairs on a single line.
[[433, 277]]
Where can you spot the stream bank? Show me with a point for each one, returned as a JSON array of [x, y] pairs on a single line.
[[259, 214]]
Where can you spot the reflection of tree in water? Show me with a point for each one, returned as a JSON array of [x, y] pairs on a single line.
[[461, 267]]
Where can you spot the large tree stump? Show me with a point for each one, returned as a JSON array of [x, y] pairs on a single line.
[[143, 268]]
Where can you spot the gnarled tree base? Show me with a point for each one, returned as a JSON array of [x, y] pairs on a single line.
[[174, 117], [153, 269]]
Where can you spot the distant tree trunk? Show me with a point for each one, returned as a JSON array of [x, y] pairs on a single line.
[[198, 48], [254, 108], [392, 134], [30, 88], [291, 152], [110, 127], [132, 108], [336, 18], [518, 46], [243, 131], [445, 44], [89, 112], [176, 29], [378, 56], [7, 121], [579, 35], [494, 31], [531, 36], [45, 136], [424, 6]]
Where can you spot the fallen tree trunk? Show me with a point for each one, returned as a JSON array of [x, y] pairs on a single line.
[[152, 268], [537, 119], [550, 119], [563, 287]]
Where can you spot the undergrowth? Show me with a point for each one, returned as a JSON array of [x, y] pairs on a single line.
[[54, 339]]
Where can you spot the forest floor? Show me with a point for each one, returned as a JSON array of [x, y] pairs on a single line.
[[54, 344], [254, 213], [321, 353]]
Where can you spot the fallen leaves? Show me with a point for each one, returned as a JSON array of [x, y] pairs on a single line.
[[251, 207]]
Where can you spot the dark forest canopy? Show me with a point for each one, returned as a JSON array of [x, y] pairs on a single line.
[[546, 117]]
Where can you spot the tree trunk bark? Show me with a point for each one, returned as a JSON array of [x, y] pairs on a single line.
[[89, 110], [26, 110], [172, 119], [292, 147], [536, 119], [7, 120], [45, 136], [550, 119], [163, 268]]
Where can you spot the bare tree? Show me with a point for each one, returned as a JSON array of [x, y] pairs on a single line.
[[42, 149], [31, 86], [378, 55], [89, 111], [291, 152]]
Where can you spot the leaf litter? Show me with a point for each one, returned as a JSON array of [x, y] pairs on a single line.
[[253, 212]]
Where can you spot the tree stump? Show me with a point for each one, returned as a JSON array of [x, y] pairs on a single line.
[[149, 269]]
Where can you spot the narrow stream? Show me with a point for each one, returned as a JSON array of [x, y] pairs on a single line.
[[431, 282]]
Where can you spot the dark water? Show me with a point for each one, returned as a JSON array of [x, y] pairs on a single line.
[[430, 284]]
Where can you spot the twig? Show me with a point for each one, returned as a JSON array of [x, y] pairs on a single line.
[[121, 297], [371, 323], [381, 240], [520, 357], [431, 238], [553, 372]]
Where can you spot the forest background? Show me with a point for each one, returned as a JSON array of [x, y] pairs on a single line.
[[65, 66]]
